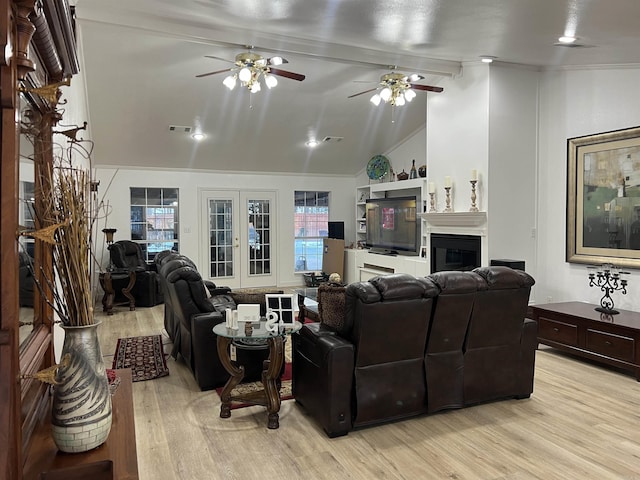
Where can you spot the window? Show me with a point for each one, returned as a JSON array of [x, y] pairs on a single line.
[[311, 223], [154, 219]]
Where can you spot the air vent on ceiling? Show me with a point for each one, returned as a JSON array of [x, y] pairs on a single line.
[[180, 128], [332, 139]]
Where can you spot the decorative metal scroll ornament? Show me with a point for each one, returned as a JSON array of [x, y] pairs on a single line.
[[608, 279]]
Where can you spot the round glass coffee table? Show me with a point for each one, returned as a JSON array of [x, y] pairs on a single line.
[[244, 337]]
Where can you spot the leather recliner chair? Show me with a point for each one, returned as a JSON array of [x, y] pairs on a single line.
[[126, 256], [194, 314]]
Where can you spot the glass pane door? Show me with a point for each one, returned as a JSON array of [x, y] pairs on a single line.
[[221, 238], [240, 238]]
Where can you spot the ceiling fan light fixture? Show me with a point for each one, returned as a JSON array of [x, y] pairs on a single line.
[[230, 82], [567, 39], [414, 77], [245, 75], [255, 87], [277, 60], [375, 99], [270, 81], [399, 101], [385, 94], [409, 95]]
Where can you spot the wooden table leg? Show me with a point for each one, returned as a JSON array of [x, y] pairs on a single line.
[[237, 374], [270, 380], [126, 291], [109, 293]]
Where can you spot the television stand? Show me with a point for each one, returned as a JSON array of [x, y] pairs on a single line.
[[383, 251]]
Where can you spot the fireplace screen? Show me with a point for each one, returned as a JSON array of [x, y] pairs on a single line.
[[454, 252]]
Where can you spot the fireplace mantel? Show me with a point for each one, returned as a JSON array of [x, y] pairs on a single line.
[[455, 219]]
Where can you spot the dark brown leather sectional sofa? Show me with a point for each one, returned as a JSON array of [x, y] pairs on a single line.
[[409, 346]]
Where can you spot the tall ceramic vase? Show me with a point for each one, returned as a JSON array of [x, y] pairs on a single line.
[[81, 413]]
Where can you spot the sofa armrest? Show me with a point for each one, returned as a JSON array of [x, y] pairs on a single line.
[[529, 344], [323, 364], [207, 368]]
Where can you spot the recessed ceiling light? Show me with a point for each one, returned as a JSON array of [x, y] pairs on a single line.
[[312, 143], [198, 136], [487, 58], [567, 39]]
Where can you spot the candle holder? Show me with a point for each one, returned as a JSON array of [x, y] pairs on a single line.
[[447, 208], [432, 202], [473, 208], [609, 280]]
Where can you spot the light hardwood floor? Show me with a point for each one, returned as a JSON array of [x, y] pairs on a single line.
[[582, 422]]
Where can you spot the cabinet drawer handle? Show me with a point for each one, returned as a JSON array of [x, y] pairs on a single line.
[[556, 329], [608, 343]]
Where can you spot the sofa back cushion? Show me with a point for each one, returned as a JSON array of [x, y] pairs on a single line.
[[501, 308], [444, 356], [388, 319], [494, 348]]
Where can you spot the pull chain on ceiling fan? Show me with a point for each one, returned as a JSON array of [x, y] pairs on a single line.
[[397, 89], [250, 67]]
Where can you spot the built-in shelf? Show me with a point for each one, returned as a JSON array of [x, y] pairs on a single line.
[[398, 185], [455, 219]]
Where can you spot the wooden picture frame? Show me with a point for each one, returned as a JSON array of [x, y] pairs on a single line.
[[603, 198], [284, 305]]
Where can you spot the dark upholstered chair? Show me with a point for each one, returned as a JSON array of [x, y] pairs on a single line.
[[126, 256], [193, 314]]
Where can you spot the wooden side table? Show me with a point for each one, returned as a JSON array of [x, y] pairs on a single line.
[[106, 282], [270, 395]]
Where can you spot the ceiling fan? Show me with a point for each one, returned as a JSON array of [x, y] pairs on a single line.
[[397, 89], [250, 67]]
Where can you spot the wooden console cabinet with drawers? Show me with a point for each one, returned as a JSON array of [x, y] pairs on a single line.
[[577, 328]]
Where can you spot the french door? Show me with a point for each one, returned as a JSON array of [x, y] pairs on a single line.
[[239, 237]]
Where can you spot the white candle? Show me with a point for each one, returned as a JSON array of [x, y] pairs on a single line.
[[432, 187], [447, 182], [474, 174]]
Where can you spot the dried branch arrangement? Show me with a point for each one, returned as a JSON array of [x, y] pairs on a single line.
[[66, 220], [69, 207]]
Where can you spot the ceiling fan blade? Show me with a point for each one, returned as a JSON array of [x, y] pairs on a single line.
[[219, 58], [284, 73], [428, 88], [213, 73], [362, 93]]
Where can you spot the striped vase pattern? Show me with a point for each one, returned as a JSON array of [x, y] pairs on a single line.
[[81, 410]]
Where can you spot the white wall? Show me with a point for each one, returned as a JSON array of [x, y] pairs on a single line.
[[400, 155], [575, 103], [458, 136], [487, 120], [509, 191], [341, 208]]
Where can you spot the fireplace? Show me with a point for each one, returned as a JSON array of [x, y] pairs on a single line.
[[455, 252]]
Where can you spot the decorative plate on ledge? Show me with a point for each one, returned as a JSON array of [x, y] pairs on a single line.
[[378, 167]]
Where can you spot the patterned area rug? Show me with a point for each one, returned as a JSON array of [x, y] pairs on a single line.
[[244, 388], [143, 355]]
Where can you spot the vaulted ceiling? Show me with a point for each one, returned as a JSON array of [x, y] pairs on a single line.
[[141, 59]]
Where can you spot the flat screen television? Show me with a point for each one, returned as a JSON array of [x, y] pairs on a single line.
[[391, 225]]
